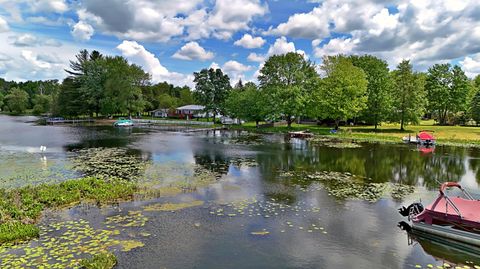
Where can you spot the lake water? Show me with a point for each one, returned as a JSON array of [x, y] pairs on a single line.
[[253, 213]]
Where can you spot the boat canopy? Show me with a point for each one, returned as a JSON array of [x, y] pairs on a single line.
[[425, 136]]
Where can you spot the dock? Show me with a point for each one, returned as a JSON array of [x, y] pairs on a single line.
[[65, 121], [300, 134]]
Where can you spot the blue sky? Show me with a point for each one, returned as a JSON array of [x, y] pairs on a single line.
[[172, 39]]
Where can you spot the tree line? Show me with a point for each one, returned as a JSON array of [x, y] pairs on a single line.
[[96, 85], [343, 88]]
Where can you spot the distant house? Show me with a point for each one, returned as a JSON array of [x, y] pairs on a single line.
[[160, 113], [190, 112], [228, 120]]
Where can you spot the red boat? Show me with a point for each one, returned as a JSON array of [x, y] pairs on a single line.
[[426, 137], [454, 218]]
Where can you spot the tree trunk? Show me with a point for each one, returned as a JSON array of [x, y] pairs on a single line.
[[214, 115], [337, 124], [256, 123], [289, 121], [401, 124], [376, 122]]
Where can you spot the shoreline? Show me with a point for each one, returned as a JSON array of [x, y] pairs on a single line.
[[348, 133]]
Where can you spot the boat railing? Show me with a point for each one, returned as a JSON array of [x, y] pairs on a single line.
[[449, 201]]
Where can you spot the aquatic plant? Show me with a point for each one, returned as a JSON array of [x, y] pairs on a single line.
[[348, 186], [20, 208], [108, 162], [104, 260], [67, 244], [13, 231], [172, 206], [399, 191], [334, 143]]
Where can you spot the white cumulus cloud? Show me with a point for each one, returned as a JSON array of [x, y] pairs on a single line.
[[82, 31], [253, 57], [250, 42], [471, 65], [281, 46], [137, 54], [3, 25], [335, 46], [193, 51]]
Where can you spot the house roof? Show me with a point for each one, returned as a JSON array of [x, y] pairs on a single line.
[[191, 107]]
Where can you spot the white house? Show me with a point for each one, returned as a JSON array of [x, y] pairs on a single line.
[[160, 113], [190, 111]]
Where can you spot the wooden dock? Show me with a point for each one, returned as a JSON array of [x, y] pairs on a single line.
[[65, 121]]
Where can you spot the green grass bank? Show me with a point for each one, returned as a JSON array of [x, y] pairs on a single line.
[[390, 133], [21, 208]]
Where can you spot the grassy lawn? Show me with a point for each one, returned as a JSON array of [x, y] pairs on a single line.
[[384, 133]]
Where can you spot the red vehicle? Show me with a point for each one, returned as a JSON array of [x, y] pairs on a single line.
[[454, 218]]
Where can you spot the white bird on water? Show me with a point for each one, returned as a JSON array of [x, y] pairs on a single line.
[[43, 148]]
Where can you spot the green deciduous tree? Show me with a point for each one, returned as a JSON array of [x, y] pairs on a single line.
[[42, 104], [212, 87], [287, 82], [167, 101], [247, 103], [342, 92], [475, 108], [447, 90], [17, 100], [409, 96], [379, 87]]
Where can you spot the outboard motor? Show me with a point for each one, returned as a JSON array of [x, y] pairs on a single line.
[[414, 209], [404, 226]]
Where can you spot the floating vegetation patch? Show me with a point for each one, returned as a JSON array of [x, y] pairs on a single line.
[[399, 191], [18, 169], [247, 162], [271, 209], [132, 219], [348, 186], [253, 207], [66, 245], [171, 206], [264, 232], [334, 143], [104, 260], [248, 139], [109, 162], [177, 177]]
